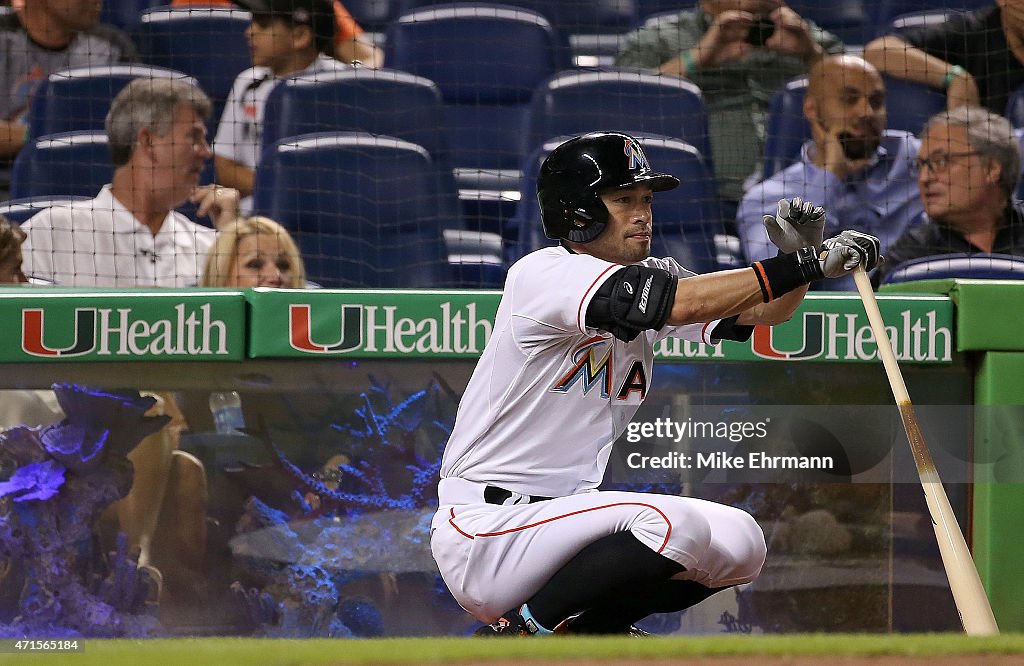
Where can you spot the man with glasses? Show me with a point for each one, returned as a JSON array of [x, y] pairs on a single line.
[[860, 172], [130, 235], [968, 167]]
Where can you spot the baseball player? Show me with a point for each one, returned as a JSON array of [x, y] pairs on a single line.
[[523, 539]]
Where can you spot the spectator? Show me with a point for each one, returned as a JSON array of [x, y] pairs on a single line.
[[256, 252], [350, 41], [42, 37], [861, 173], [11, 238], [972, 56], [130, 235], [287, 38], [21, 407], [711, 45], [968, 166]]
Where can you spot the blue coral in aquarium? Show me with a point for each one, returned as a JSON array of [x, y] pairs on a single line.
[[373, 520], [55, 483]]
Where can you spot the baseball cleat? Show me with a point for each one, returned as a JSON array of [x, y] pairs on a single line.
[[509, 624]]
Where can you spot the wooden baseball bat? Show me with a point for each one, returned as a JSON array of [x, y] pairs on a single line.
[[968, 593]]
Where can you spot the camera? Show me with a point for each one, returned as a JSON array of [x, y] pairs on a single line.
[[760, 31]]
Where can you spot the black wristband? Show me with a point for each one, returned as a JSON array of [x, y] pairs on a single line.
[[784, 273]]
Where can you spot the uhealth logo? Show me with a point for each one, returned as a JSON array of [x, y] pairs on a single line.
[[116, 332]]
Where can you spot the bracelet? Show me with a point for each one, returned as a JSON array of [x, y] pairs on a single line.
[[952, 73], [689, 66], [786, 272]]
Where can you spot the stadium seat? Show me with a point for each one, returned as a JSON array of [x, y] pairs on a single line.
[[374, 15], [487, 59], [126, 14], [70, 163], [900, 23], [365, 209], [909, 105], [207, 43], [686, 219], [591, 29], [628, 100], [20, 210], [376, 101], [647, 8], [849, 20], [959, 265], [79, 98], [1015, 108], [883, 13], [786, 128]]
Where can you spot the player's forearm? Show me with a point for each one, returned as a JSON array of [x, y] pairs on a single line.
[[715, 296], [234, 174], [775, 312], [891, 55]]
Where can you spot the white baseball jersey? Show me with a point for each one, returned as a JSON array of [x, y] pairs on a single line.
[[550, 395], [99, 243], [547, 400]]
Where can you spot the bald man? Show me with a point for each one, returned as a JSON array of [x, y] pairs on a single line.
[[860, 172]]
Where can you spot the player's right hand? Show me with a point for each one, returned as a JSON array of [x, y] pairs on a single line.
[[796, 224], [843, 253]]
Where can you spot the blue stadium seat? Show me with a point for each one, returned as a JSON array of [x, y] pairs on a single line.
[[1015, 108], [909, 105], [487, 59], [79, 98], [20, 210], [70, 163], [850, 20], [589, 30], [959, 265], [628, 100], [366, 210], [884, 12], [900, 23], [648, 8], [374, 15], [207, 43], [126, 14], [686, 219], [786, 128], [567, 16], [376, 101]]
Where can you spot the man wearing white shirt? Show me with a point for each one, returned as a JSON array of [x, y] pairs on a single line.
[[130, 235]]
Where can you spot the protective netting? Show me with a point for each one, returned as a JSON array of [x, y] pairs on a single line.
[[417, 166]]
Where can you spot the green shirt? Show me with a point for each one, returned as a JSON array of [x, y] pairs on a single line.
[[737, 94]]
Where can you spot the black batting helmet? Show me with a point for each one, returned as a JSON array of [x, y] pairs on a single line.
[[576, 172]]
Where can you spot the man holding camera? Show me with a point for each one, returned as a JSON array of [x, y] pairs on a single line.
[[738, 52]]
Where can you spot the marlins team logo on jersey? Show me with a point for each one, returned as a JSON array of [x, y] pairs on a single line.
[[635, 154], [590, 372]]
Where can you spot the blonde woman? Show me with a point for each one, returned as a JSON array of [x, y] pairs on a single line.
[[254, 252]]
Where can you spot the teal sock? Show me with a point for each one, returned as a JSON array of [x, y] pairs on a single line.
[[532, 625]]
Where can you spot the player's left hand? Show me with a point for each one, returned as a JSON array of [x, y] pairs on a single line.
[[222, 204], [796, 224], [843, 253]]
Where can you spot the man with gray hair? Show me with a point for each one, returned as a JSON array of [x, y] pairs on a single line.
[[130, 235], [968, 166]]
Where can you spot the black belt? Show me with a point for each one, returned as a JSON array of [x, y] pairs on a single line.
[[496, 495]]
